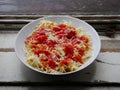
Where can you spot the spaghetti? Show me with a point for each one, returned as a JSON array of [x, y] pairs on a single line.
[[53, 47]]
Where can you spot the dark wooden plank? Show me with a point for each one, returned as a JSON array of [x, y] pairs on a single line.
[[101, 23], [23, 21], [85, 17], [59, 7]]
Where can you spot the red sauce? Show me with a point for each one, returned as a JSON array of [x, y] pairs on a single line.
[[41, 44]]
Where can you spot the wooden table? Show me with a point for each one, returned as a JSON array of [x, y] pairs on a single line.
[[103, 73]]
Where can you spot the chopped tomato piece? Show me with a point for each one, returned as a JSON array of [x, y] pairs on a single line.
[[40, 31], [28, 39], [57, 55], [87, 45], [51, 42], [55, 28], [41, 28], [41, 38], [41, 49], [43, 58], [66, 61], [81, 51], [60, 32], [78, 58], [68, 49], [69, 55], [76, 41], [83, 38], [51, 64], [34, 46], [36, 51], [46, 52], [62, 26], [71, 34]]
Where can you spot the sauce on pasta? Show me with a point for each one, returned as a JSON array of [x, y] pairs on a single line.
[[53, 47]]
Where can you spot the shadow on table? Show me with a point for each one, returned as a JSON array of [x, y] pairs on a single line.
[[85, 75]]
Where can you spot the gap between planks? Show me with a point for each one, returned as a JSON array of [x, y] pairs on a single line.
[[7, 50], [60, 83], [102, 50]]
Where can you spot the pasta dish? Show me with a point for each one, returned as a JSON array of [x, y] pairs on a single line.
[[57, 47]]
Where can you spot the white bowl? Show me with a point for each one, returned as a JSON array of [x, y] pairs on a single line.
[[27, 29]]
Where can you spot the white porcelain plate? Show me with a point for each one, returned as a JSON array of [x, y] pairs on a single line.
[[27, 29]]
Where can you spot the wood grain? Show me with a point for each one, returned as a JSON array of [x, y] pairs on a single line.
[[59, 7], [104, 71], [110, 45]]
